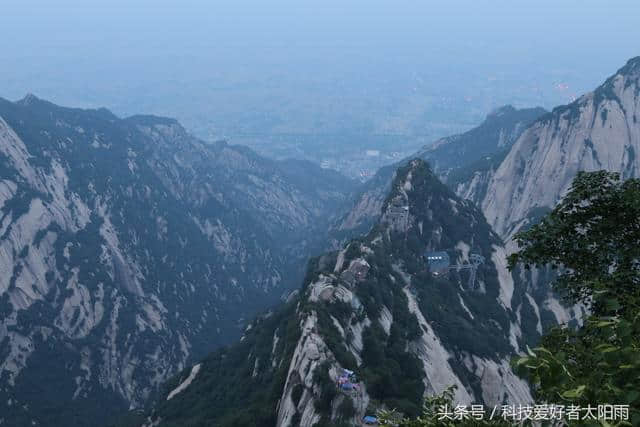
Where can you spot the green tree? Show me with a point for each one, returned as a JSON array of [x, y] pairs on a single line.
[[592, 239], [433, 415]]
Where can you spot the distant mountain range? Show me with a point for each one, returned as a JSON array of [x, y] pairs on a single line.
[[496, 134], [376, 306], [455, 159], [129, 249], [600, 130]]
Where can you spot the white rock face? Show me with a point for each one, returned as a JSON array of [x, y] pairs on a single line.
[[500, 384], [499, 258], [186, 383], [310, 352], [600, 130], [435, 359], [475, 188], [82, 309], [123, 242], [386, 319], [497, 381]]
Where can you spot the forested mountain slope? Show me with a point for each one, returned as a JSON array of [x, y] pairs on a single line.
[[382, 307], [129, 248]]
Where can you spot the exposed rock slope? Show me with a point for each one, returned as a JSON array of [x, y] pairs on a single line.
[[456, 160], [129, 248], [497, 133], [376, 307], [600, 130]]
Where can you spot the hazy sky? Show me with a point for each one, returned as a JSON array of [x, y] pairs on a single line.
[[109, 52], [565, 26]]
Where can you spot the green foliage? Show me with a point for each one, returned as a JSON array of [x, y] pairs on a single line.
[[295, 420], [328, 393], [296, 393], [327, 388], [229, 390], [598, 363], [593, 238], [329, 331], [431, 415], [392, 374], [347, 409]]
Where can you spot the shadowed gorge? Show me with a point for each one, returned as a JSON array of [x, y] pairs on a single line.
[[319, 214], [131, 249]]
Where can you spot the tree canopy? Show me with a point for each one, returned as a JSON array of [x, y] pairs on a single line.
[[593, 239]]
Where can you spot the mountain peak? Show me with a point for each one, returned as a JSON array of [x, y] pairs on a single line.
[[404, 180], [33, 104], [418, 164], [374, 325], [631, 68], [29, 99], [150, 120], [597, 131], [505, 109]]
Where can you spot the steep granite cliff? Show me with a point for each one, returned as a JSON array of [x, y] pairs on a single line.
[[600, 130], [456, 160], [129, 248], [379, 323]]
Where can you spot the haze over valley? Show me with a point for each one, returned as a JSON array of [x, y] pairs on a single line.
[[309, 215], [351, 86]]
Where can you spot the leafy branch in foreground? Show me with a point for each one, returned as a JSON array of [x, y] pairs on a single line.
[[593, 238], [432, 415]]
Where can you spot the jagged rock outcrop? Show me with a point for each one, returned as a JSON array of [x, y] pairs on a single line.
[[518, 163], [497, 133], [600, 130], [462, 161], [129, 248], [374, 301], [378, 308]]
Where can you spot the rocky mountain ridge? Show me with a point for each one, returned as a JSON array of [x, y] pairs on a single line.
[[455, 159], [331, 327], [526, 162], [379, 308], [600, 130], [128, 248]]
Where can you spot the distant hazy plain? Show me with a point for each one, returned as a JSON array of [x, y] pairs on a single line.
[[324, 80]]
